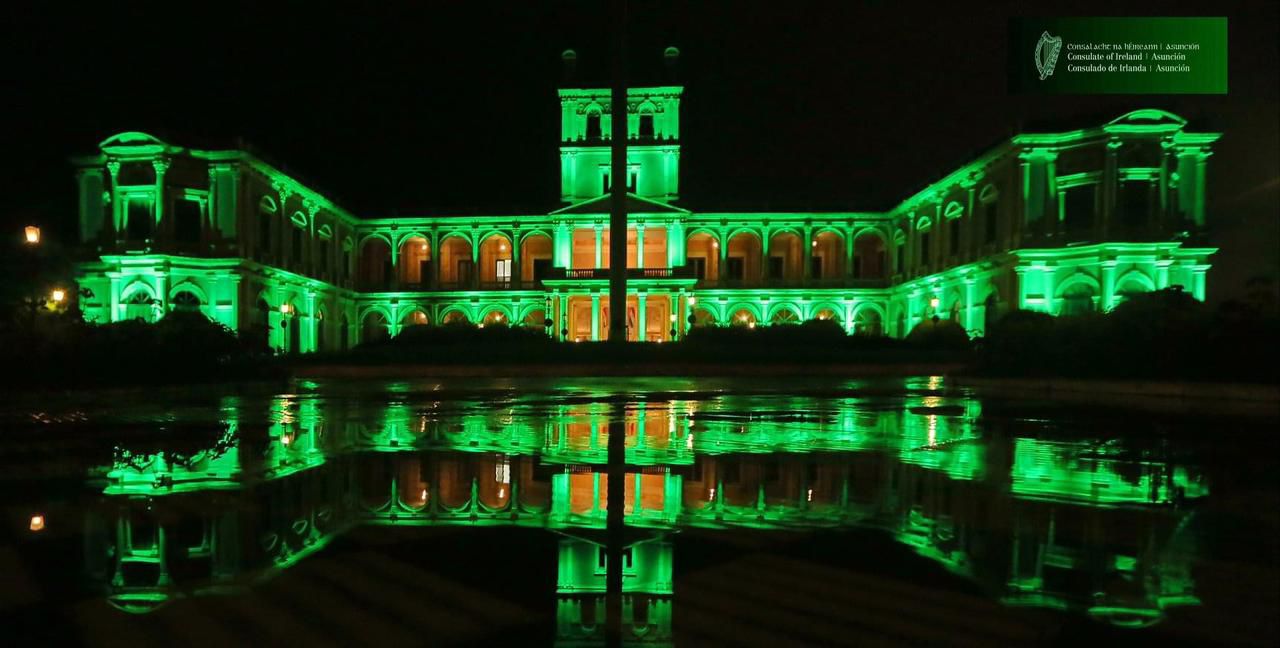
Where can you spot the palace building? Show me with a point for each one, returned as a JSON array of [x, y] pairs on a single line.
[[1062, 223]]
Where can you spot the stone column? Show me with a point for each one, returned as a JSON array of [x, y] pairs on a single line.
[[516, 270], [595, 316], [599, 245], [117, 214], [639, 245], [161, 166], [806, 251], [641, 315]]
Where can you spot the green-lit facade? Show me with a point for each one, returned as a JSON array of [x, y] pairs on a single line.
[[1057, 222]]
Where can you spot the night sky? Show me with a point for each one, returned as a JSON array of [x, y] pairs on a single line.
[[416, 109]]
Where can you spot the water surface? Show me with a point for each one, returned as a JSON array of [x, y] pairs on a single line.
[[757, 512]]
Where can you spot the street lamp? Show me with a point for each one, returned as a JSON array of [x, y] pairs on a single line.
[[58, 295], [33, 234]]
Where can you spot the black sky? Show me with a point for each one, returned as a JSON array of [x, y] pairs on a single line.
[[422, 108]]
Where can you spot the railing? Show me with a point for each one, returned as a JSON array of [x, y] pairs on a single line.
[[796, 282], [681, 272]]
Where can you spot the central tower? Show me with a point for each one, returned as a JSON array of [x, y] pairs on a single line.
[[587, 126]]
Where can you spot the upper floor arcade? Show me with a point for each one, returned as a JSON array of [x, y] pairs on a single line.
[[1139, 178]]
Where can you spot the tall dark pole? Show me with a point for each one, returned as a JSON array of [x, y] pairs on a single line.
[[617, 468], [618, 179]]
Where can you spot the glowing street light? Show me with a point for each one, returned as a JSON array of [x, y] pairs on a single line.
[[933, 303], [37, 523], [284, 309], [58, 295], [33, 234]]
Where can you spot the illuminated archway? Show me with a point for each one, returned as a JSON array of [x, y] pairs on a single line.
[[455, 316], [784, 314], [869, 256], [495, 260], [703, 317], [743, 316], [702, 251], [374, 328], [375, 264], [535, 319], [496, 317], [456, 264], [743, 260], [415, 262], [414, 317], [868, 321], [786, 256], [535, 257], [828, 255]]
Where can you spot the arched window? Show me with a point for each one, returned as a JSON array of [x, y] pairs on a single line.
[[703, 317], [867, 322], [140, 306], [743, 317], [1077, 300], [784, 316], [186, 302]]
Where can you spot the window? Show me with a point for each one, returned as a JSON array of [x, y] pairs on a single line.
[[924, 248], [699, 267], [633, 178], [186, 302], [953, 236], [324, 255], [815, 266], [295, 255], [736, 267], [593, 125], [138, 225], [264, 235], [503, 271], [1079, 205], [541, 268], [464, 271], [775, 267], [900, 252], [186, 221], [990, 221], [1135, 204], [604, 183], [646, 126], [346, 264]]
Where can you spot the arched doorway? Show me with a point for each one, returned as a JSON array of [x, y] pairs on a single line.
[[456, 264], [703, 317], [495, 261], [743, 317], [867, 322], [415, 317], [1077, 299], [869, 256], [742, 265], [786, 257], [375, 327], [702, 252], [375, 264], [828, 256], [415, 263], [494, 317], [536, 255]]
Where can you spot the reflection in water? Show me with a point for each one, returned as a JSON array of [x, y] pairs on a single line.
[[1072, 525]]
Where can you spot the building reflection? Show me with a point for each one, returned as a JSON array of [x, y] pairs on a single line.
[[1037, 522]]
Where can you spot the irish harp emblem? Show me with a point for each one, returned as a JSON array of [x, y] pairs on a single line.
[[1047, 54]]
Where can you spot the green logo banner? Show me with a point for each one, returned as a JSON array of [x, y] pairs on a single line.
[[1118, 55]]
